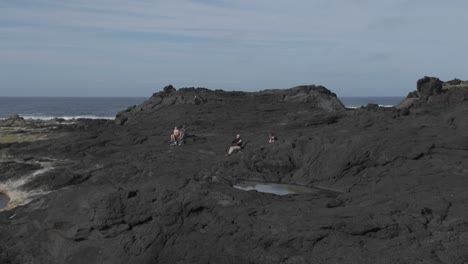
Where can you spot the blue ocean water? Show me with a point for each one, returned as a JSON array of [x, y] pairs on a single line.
[[108, 107], [65, 107], [355, 102]]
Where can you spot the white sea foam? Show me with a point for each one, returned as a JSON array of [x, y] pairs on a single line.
[[67, 117], [12, 187], [357, 102], [356, 107]]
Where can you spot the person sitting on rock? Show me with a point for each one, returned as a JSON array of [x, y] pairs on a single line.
[[181, 139], [271, 137], [175, 136], [235, 145]]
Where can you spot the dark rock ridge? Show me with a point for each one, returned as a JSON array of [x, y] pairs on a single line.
[[433, 92], [311, 96], [116, 192]]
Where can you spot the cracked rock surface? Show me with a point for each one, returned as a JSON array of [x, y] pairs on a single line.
[[119, 193]]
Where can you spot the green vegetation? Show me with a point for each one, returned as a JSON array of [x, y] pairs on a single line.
[[12, 137]]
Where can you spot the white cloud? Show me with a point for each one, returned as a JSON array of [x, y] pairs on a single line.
[[208, 41]]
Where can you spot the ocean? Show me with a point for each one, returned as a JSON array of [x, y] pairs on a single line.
[[66, 107], [356, 102], [107, 107]]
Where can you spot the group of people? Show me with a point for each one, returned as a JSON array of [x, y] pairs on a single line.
[[178, 135], [237, 143]]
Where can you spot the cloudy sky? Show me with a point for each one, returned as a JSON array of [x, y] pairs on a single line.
[[135, 47]]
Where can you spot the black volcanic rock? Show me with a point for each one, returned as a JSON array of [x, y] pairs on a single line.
[[12, 169], [122, 117], [169, 89], [429, 86], [317, 95], [119, 193], [414, 94], [13, 120], [202, 103], [14, 117], [432, 92], [454, 82]]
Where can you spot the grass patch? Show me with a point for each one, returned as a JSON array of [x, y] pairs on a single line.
[[18, 138]]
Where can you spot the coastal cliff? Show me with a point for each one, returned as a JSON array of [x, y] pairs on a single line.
[[97, 191]]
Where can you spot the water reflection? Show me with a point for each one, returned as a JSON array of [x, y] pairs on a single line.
[[275, 188], [3, 201]]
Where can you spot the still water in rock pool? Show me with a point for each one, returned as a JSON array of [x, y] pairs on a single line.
[[275, 188], [3, 201]]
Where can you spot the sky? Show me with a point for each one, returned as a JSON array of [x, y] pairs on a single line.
[[136, 47]]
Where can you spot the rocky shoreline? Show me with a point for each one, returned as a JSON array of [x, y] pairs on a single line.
[[115, 191]]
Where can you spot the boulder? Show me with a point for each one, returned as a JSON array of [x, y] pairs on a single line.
[[12, 121], [316, 96], [372, 107], [198, 100], [122, 117], [429, 86], [169, 89]]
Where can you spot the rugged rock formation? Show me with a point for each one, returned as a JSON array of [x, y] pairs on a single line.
[[428, 86], [319, 96], [432, 91], [13, 120], [118, 193], [209, 104]]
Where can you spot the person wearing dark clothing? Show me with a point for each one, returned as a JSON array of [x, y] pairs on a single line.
[[235, 145]]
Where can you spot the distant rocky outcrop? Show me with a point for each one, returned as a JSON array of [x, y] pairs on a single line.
[[314, 97], [429, 86], [169, 96], [13, 120], [433, 91], [455, 83]]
